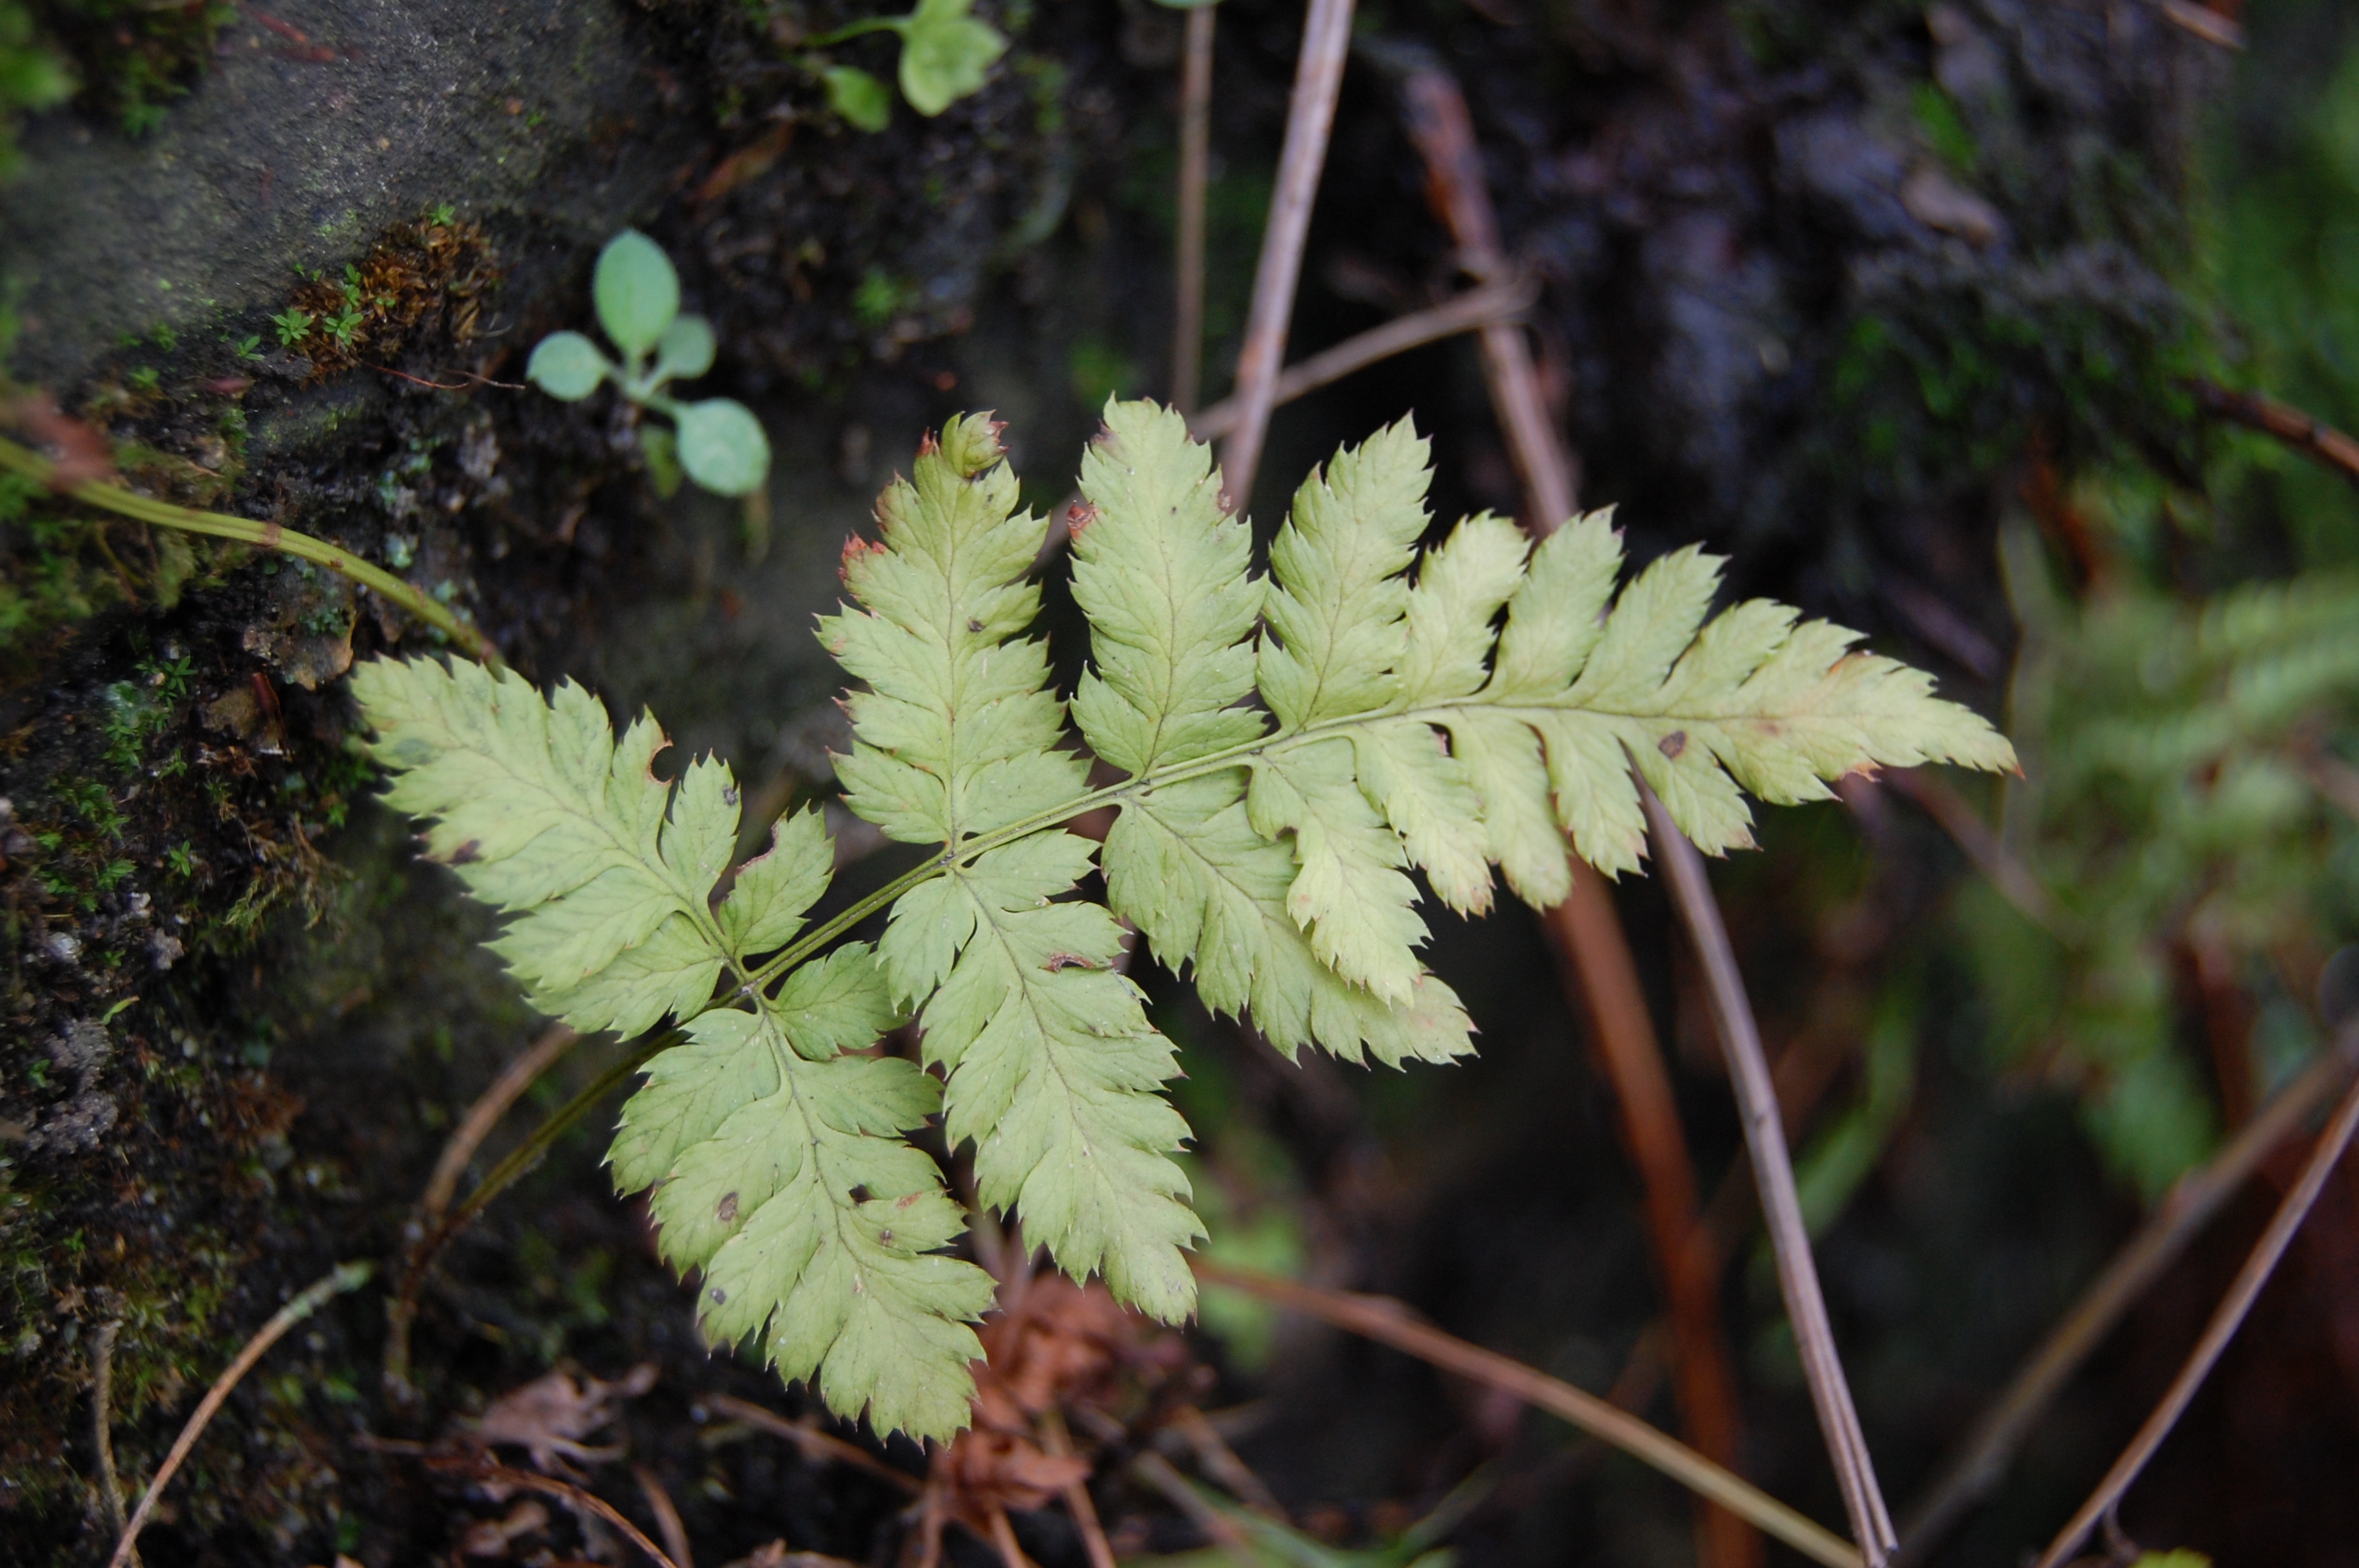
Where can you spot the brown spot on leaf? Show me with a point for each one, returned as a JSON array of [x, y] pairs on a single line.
[[1672, 744], [727, 1212], [466, 854], [974, 625], [1079, 515], [1066, 961]]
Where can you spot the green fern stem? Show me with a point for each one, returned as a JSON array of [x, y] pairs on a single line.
[[261, 535]]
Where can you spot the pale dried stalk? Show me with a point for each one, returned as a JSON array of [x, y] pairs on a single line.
[[1317, 78], [401, 1311], [816, 1445], [1585, 929], [342, 1277], [101, 1421], [1195, 179], [1493, 302], [1054, 1439], [2226, 1320], [1444, 133], [1773, 1175], [667, 1525], [1982, 1459], [1388, 1322]]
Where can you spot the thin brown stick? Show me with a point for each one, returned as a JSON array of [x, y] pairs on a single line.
[[1493, 302], [667, 1525], [1003, 1540], [1585, 929], [341, 1278], [1388, 1322], [1195, 180], [518, 1076], [2226, 1320], [572, 1496], [1773, 1175], [1982, 1459], [815, 1444], [1310, 114], [1223, 1531], [102, 1422], [1593, 953], [2204, 23], [2312, 438], [1444, 133], [401, 1311], [1055, 1440], [1219, 1461]]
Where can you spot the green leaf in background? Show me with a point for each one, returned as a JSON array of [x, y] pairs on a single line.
[[944, 54], [637, 291], [721, 445], [568, 367], [859, 97], [684, 349]]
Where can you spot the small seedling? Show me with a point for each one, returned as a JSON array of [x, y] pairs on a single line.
[[945, 54], [719, 443], [292, 324], [343, 324], [249, 347], [445, 215]]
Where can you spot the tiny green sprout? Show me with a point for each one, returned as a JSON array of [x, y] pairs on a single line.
[[718, 442], [249, 347], [445, 215], [342, 325], [292, 324], [946, 52], [144, 379]]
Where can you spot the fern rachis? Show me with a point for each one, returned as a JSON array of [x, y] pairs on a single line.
[[1294, 748]]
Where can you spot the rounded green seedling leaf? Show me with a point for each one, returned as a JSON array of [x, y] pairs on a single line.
[[859, 97], [568, 367], [722, 448], [685, 349], [636, 290], [944, 54]]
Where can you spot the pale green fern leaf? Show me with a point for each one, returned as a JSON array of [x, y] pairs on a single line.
[[784, 1180], [1165, 577], [1288, 752], [1052, 1070], [956, 733], [543, 815], [778, 1164]]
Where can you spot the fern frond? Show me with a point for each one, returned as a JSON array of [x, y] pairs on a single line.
[[1052, 1069], [777, 1161], [1291, 749]]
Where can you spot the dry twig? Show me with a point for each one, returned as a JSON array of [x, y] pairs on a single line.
[[102, 1422], [572, 1496], [1773, 1175], [1496, 301], [2311, 437], [667, 1525], [1991, 856], [1195, 179], [816, 1445], [1318, 77], [474, 1126], [1585, 929], [341, 1278], [1982, 1459], [1059, 1445], [2226, 1320], [1388, 1323]]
